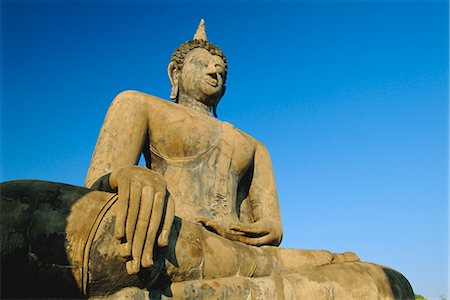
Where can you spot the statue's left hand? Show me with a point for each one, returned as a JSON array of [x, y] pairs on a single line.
[[259, 233]]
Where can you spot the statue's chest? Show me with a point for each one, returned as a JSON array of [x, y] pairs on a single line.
[[204, 182], [188, 141], [185, 137]]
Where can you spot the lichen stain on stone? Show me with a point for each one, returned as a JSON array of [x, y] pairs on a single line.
[[48, 220], [13, 213], [108, 247]]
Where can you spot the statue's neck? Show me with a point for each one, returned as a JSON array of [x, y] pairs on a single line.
[[194, 104]]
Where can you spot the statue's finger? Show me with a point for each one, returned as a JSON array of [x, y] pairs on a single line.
[[236, 232], [257, 241], [214, 226], [254, 228], [133, 211], [209, 225], [202, 220], [163, 239], [142, 224], [155, 221], [122, 208]]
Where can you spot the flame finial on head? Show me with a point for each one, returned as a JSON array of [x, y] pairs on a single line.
[[200, 34]]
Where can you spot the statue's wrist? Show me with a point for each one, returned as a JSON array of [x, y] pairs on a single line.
[[103, 184]]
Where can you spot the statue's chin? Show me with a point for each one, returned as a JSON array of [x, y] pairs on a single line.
[[211, 93]]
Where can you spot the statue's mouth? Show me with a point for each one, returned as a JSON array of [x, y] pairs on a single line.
[[211, 79]]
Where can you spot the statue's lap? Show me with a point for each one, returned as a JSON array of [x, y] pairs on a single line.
[[196, 262]]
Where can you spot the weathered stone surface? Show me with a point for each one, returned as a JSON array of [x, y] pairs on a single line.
[[201, 220], [33, 218], [192, 265], [352, 280]]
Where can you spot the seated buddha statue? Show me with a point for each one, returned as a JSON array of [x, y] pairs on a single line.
[[200, 218]]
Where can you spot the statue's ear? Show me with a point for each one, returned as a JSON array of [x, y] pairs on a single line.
[[173, 72]]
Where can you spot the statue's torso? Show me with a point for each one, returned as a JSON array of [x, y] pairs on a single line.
[[202, 159]]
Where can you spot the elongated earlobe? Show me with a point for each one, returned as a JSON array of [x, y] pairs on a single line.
[[173, 77]]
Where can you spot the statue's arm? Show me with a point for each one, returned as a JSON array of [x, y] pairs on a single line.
[[121, 138], [142, 206], [267, 228]]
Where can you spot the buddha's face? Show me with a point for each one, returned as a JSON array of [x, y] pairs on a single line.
[[201, 76]]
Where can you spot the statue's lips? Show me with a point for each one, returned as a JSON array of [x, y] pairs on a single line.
[[210, 80]]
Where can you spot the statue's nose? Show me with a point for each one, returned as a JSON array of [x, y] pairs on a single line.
[[211, 68]]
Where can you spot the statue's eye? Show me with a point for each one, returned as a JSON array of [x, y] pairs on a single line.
[[201, 62]]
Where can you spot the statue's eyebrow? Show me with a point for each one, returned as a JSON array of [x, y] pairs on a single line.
[[219, 61]]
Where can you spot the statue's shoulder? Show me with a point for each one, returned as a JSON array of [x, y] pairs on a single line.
[[132, 94], [255, 142], [141, 98]]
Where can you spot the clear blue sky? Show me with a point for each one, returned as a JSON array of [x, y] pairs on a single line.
[[350, 98]]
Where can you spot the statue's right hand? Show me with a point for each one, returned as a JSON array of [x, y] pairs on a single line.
[[140, 209]]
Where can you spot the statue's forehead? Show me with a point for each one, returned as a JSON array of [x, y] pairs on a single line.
[[203, 53]]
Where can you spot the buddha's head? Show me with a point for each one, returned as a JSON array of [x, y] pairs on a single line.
[[198, 69]]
